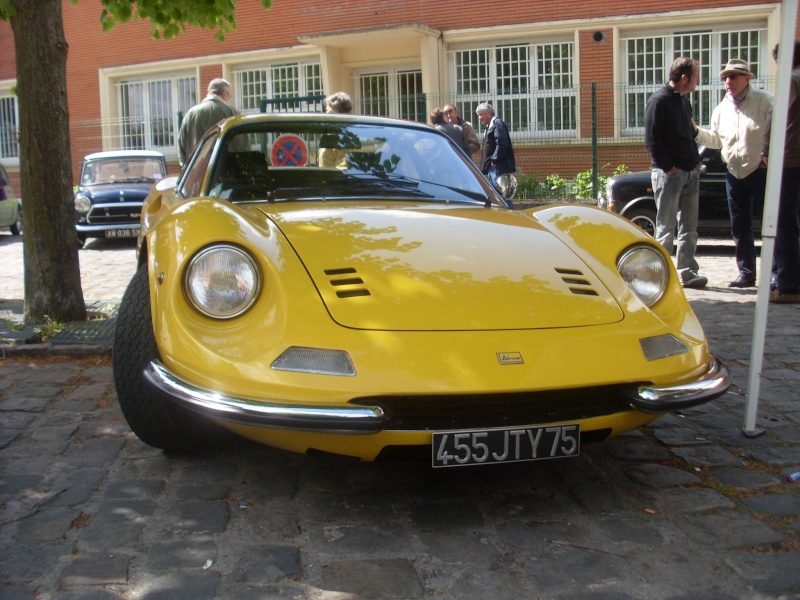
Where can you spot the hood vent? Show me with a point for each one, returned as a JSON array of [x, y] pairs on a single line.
[[576, 282], [346, 282]]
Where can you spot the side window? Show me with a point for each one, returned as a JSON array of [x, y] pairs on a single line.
[[192, 184]]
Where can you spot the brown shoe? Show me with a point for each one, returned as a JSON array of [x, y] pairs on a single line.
[[776, 298]]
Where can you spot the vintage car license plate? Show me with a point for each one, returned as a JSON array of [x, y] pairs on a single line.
[[124, 233], [480, 447]]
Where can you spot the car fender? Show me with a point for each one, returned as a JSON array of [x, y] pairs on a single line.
[[286, 295], [600, 237], [648, 202]]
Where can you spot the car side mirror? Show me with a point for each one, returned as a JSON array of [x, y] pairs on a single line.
[[507, 186]]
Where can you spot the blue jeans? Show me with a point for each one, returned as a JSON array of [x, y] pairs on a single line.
[[787, 236], [677, 196], [744, 196]]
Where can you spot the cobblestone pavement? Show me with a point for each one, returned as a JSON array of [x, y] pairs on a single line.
[[687, 507], [106, 268]]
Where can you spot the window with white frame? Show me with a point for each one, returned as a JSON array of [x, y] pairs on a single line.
[[393, 92], [291, 87], [9, 128], [647, 60], [151, 109], [531, 86]]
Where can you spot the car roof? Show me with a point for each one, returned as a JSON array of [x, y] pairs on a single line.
[[319, 118], [124, 154]]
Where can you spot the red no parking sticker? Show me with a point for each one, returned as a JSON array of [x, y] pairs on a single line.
[[289, 151]]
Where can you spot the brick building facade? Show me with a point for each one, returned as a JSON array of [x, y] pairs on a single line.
[[570, 78]]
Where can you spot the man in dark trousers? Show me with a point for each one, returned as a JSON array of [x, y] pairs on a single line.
[[497, 157], [737, 127], [669, 136]]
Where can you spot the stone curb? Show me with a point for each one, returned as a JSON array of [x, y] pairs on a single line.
[[47, 348]]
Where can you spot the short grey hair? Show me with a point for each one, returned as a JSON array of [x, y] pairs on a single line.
[[484, 107], [218, 86]]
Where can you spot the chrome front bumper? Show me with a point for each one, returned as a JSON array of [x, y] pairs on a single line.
[[328, 419], [351, 419], [713, 383]]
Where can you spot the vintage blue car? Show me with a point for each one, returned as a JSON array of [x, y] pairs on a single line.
[[112, 187]]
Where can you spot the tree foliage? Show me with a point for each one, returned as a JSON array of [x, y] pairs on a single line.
[[52, 274], [169, 18]]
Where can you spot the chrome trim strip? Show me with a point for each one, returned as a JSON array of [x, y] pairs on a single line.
[[325, 419], [84, 228], [712, 384]]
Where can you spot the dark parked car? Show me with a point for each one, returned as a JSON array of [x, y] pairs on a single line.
[[111, 190], [631, 195]]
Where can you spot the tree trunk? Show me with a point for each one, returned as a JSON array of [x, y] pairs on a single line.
[[50, 250]]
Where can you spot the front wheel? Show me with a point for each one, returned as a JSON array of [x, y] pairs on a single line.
[[151, 416], [16, 228], [645, 219]]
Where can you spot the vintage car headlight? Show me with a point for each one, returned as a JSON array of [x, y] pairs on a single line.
[[82, 203], [222, 281], [608, 195], [645, 271]]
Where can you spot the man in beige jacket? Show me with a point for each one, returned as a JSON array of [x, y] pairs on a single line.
[[738, 124]]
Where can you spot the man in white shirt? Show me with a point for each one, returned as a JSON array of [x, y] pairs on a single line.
[[738, 124]]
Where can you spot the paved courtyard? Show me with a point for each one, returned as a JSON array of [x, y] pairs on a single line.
[[687, 507]]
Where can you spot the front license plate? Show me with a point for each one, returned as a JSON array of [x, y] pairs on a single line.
[[121, 233], [462, 448]]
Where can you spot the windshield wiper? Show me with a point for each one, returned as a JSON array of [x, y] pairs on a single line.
[[393, 178], [372, 188]]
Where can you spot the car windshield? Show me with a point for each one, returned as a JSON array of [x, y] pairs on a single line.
[[122, 170], [336, 161]]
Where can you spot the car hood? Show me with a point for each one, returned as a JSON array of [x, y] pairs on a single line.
[[117, 192], [634, 176], [445, 269]]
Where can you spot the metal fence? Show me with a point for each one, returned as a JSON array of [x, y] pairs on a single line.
[[563, 139]]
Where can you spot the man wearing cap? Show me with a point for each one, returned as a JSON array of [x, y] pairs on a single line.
[[737, 127]]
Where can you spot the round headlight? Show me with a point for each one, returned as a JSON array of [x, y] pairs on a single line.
[[82, 203], [645, 271], [222, 281]]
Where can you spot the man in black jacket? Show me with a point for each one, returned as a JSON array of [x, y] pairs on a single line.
[[497, 157], [669, 135]]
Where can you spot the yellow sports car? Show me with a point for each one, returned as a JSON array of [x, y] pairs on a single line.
[[353, 286]]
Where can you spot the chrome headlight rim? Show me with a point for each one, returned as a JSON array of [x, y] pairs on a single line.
[[240, 307], [630, 263], [82, 203]]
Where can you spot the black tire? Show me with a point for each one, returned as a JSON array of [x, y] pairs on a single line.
[[644, 218], [153, 418], [81, 240], [16, 228]]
